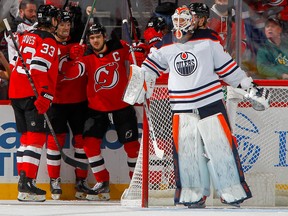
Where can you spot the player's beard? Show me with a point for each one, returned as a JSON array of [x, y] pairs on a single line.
[[99, 49]]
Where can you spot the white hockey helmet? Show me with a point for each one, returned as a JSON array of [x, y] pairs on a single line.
[[182, 21]]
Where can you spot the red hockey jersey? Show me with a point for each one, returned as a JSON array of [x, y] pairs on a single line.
[[107, 76], [71, 85], [40, 54]]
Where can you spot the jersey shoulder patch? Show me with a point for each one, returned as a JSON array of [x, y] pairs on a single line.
[[206, 34]]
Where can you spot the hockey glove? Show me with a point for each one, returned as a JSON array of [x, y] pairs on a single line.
[[259, 98], [151, 36], [140, 50], [77, 51], [43, 101]]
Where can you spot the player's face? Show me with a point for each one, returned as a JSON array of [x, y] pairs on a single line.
[[63, 29], [97, 41], [29, 12]]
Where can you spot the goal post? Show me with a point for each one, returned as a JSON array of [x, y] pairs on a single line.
[[262, 146]]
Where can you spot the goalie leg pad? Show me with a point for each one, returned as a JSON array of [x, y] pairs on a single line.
[[135, 85], [192, 165], [222, 167]]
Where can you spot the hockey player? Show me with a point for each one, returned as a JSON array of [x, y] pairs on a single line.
[[196, 61], [69, 107], [40, 54], [104, 64]]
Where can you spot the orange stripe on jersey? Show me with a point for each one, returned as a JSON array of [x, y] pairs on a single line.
[[175, 131], [151, 63], [225, 128], [227, 69], [198, 94]]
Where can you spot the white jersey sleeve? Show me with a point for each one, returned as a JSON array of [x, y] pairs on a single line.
[[155, 62], [226, 67]]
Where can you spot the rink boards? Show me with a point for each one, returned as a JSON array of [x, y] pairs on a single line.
[[113, 152]]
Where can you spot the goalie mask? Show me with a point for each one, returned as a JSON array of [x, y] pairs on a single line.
[[182, 22]]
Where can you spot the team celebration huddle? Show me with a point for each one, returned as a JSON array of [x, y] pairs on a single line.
[[61, 82]]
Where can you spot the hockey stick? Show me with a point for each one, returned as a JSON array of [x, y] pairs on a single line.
[[229, 27], [67, 159], [158, 152], [87, 22], [133, 26]]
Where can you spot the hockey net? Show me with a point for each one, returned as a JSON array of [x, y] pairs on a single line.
[[262, 146]]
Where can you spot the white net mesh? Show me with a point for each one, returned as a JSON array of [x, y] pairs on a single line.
[[262, 148]]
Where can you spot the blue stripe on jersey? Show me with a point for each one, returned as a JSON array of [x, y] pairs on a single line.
[[158, 66], [151, 68], [195, 89], [223, 66], [195, 100], [231, 71]]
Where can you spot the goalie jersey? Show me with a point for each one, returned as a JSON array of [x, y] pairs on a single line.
[[195, 69]]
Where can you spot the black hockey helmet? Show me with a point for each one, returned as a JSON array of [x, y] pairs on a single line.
[[45, 14], [65, 16], [200, 9], [157, 22], [96, 29]]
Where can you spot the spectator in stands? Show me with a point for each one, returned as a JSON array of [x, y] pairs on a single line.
[[22, 23], [222, 20], [4, 74], [27, 15], [4, 77], [9, 10], [272, 57]]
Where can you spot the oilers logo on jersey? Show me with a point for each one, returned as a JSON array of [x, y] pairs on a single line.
[[185, 63]]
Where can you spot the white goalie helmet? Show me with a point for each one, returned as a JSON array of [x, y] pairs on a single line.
[[182, 21]]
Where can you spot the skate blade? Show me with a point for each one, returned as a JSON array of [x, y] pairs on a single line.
[[237, 205], [55, 196], [26, 197], [196, 205], [98, 197], [80, 195]]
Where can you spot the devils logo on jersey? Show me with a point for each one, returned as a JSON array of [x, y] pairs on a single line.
[[70, 74], [106, 77], [185, 63]]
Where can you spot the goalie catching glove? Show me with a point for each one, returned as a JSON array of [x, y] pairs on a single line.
[[258, 97], [140, 85]]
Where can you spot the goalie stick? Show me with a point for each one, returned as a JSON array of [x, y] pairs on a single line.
[[67, 159], [158, 152]]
